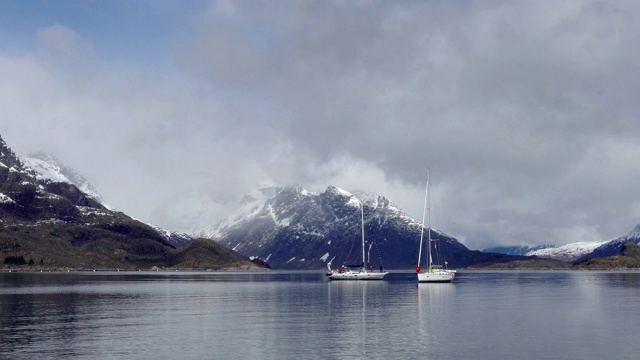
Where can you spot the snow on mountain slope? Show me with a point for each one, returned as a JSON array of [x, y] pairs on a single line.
[[48, 168], [634, 235], [582, 250], [263, 198], [614, 247], [516, 250], [378, 201], [177, 239], [568, 252], [293, 228], [249, 207]]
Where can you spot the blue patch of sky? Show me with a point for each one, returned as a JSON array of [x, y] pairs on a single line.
[[119, 30]]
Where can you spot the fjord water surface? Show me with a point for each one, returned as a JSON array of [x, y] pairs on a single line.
[[293, 315]]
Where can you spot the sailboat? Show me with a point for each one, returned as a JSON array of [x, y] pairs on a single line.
[[360, 271], [434, 272]]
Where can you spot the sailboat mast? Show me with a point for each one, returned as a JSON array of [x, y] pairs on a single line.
[[428, 202], [364, 259], [424, 211]]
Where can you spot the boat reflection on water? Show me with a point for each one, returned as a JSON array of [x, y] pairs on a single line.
[[435, 294], [355, 310], [435, 302], [354, 293]]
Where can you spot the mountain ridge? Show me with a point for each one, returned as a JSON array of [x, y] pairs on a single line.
[[56, 225], [49, 169], [293, 228], [573, 252], [54, 173], [613, 247], [291, 222]]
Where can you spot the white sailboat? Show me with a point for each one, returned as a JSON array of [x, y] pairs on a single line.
[[356, 272], [434, 272]]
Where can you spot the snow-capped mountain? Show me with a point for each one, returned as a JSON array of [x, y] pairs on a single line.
[[292, 228], [575, 251], [568, 252], [175, 238], [52, 171], [614, 247], [46, 218]]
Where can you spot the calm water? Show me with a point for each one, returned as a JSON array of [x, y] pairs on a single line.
[[300, 315]]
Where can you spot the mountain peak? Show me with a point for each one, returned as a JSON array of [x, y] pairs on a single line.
[[352, 200], [48, 217], [635, 233], [7, 157], [298, 229], [48, 168]]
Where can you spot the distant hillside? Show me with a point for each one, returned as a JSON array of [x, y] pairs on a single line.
[[49, 223], [614, 247], [527, 263], [573, 252], [569, 252], [516, 250], [54, 173], [628, 258]]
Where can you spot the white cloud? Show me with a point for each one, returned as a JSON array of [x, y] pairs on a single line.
[[524, 111]]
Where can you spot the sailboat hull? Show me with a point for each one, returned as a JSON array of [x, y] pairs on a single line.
[[436, 276], [356, 272], [355, 275]]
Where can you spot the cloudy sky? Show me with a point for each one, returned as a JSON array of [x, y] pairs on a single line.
[[525, 112]]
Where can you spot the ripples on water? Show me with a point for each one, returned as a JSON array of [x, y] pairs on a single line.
[[292, 315]]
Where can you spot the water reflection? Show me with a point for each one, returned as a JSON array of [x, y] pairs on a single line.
[[623, 279], [434, 303], [290, 315], [56, 320], [355, 315]]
